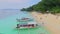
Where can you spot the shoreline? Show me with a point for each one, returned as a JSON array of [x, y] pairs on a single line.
[[51, 22]]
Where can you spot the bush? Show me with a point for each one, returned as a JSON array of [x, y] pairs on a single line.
[[55, 10]]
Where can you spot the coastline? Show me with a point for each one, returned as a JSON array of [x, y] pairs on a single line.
[[49, 21]]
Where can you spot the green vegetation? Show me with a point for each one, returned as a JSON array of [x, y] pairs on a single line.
[[53, 6]]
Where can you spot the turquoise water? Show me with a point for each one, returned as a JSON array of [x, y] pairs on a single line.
[[8, 25]]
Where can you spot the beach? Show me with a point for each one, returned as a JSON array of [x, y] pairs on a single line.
[[49, 21]]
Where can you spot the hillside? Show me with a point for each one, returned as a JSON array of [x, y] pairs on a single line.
[[52, 6]]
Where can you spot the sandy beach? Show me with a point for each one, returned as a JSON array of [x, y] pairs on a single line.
[[49, 21]]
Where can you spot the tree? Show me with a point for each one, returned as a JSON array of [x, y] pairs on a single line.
[[52, 6]]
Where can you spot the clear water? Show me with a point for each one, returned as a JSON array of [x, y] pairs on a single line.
[[8, 23]]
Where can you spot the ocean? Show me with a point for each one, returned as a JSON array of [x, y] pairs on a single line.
[[8, 22]]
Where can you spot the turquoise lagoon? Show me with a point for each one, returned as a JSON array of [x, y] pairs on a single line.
[[8, 25]]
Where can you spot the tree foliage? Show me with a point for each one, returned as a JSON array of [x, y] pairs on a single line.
[[52, 6]]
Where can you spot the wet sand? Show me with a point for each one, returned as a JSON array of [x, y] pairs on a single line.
[[49, 21]]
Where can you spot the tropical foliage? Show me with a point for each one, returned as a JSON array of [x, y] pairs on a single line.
[[53, 6]]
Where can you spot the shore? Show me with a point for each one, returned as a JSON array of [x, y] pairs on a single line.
[[49, 21]]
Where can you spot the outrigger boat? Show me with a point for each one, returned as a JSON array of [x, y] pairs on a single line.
[[27, 24]]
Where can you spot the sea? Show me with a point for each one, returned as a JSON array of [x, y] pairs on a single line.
[[8, 22]]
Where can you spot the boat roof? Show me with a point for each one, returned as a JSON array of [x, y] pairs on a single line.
[[24, 20], [28, 23], [32, 22]]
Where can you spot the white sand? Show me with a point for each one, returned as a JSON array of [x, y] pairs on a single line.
[[50, 22]]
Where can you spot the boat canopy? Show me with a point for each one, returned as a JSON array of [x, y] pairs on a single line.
[[24, 20]]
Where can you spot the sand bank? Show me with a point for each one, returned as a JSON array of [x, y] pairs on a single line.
[[51, 22]]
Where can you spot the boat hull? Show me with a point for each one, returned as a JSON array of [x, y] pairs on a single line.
[[28, 27]]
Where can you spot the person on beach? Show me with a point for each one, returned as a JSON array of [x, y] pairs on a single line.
[[40, 18]]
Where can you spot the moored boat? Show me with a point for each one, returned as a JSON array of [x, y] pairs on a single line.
[[26, 23]]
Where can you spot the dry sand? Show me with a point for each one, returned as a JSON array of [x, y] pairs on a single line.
[[51, 22]]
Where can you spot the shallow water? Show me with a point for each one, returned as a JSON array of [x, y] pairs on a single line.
[[8, 24]]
